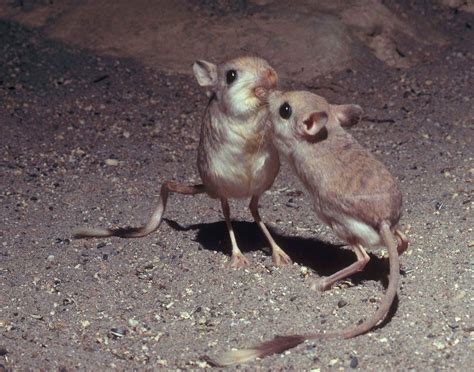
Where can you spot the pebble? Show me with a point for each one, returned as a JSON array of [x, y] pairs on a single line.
[[112, 162], [291, 204], [145, 275], [304, 271], [118, 332], [333, 362], [51, 257], [185, 315], [202, 364], [354, 362], [341, 303]]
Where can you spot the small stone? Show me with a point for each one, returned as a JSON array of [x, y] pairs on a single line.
[[85, 323], [51, 257], [202, 321], [291, 204], [133, 322], [162, 362], [439, 345], [184, 315], [118, 332], [202, 364], [145, 275], [354, 362], [112, 162], [341, 303], [158, 336], [68, 301], [168, 306], [304, 271]]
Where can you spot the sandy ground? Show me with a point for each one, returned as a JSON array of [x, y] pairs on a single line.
[[89, 139]]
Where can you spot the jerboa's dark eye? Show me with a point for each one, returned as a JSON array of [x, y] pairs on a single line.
[[231, 76], [285, 111]]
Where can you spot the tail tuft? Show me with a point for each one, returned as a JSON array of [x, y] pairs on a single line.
[[278, 345], [235, 357]]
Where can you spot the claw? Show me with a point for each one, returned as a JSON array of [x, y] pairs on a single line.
[[238, 261], [280, 258], [321, 285]]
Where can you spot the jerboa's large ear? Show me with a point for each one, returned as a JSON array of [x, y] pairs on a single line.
[[315, 122], [205, 73], [348, 115]]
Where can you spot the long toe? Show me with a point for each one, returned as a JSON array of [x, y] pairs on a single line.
[[321, 285], [281, 259], [238, 261]]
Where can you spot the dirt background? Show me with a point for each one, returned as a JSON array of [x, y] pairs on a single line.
[[97, 109]]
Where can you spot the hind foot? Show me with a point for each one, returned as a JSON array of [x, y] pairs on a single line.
[[321, 285], [280, 258], [238, 261]]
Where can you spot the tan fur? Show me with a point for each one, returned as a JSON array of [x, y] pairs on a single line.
[[352, 192], [236, 157]]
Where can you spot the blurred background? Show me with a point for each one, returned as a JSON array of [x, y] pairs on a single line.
[[302, 38]]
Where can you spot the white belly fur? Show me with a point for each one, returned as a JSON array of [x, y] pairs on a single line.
[[364, 233], [240, 159], [240, 174], [349, 229]]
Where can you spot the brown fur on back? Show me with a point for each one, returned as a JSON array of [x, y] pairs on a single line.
[[348, 178]]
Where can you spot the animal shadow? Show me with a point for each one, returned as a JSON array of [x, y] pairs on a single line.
[[322, 257]]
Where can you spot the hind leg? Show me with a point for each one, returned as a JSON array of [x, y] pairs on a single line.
[[280, 258], [402, 242], [362, 260], [238, 259]]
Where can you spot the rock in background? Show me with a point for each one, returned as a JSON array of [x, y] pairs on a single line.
[[301, 38]]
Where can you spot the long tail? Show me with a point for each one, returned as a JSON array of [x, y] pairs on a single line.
[[394, 277], [154, 221], [282, 343]]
